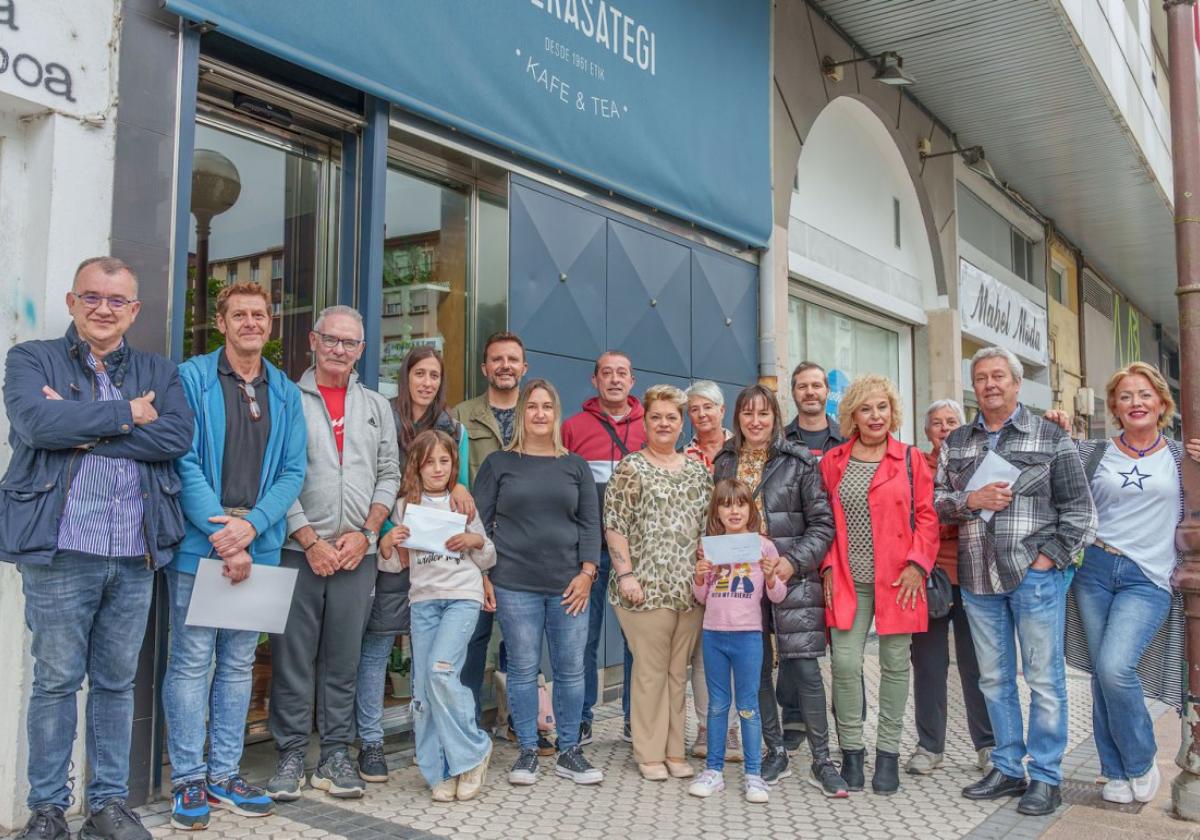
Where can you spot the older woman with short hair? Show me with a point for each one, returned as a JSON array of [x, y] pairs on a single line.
[[885, 543], [931, 649], [654, 512], [706, 411]]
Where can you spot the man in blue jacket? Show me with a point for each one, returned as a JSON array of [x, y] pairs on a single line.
[[89, 507], [244, 469]]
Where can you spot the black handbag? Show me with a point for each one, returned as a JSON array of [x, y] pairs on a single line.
[[938, 594]]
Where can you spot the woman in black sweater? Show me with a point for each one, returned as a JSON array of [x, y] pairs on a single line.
[[538, 503]]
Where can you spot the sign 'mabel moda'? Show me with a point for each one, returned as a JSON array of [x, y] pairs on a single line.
[[997, 314]]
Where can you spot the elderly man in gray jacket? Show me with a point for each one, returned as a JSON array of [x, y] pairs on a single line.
[[351, 484]]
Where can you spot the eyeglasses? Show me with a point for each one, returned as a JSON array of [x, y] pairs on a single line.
[[247, 391], [115, 302], [331, 341]]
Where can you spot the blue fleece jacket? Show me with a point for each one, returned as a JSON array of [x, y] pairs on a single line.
[[200, 469]]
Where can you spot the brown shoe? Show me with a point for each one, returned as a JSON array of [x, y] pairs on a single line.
[[656, 772], [680, 769]]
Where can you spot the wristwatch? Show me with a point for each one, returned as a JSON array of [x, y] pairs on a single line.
[[369, 534]]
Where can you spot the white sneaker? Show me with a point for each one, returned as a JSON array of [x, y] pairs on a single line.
[[1146, 787], [1118, 791], [757, 790], [444, 790], [710, 782]]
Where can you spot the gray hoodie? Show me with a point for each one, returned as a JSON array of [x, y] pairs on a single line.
[[338, 492]]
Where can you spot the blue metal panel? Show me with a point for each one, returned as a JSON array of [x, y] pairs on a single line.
[[189, 74], [649, 299], [556, 274], [370, 245], [724, 317], [348, 222], [572, 378]]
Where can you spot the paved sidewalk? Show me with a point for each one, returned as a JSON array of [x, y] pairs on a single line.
[[625, 806]]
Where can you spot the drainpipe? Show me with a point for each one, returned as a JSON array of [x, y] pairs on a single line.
[[766, 316], [1185, 151]]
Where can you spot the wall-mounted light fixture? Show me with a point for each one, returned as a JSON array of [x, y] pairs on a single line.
[[889, 68], [972, 156]]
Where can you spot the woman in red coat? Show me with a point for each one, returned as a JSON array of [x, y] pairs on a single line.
[[885, 543]]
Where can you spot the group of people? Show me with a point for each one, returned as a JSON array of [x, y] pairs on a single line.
[[123, 464]]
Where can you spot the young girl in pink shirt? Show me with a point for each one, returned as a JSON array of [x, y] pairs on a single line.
[[732, 639]]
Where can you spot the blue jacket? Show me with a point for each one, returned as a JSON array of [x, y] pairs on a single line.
[[200, 467], [48, 438]]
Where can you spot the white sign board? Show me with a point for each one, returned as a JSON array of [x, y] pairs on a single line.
[[56, 53], [998, 314]]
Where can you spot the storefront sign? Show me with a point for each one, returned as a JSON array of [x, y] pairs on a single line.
[[663, 101], [37, 53], [997, 314]]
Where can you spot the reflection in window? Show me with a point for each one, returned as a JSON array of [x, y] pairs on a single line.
[[260, 214], [491, 281], [425, 268]]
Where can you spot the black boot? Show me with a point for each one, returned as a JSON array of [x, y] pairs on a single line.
[[886, 779], [852, 768]]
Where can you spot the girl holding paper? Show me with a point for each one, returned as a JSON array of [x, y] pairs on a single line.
[[886, 542], [732, 636], [446, 595]]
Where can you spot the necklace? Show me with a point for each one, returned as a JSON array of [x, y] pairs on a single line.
[[1141, 453]]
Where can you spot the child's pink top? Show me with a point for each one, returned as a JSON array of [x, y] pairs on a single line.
[[732, 595]]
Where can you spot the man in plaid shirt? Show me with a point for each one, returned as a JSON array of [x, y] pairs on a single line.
[[1014, 566]]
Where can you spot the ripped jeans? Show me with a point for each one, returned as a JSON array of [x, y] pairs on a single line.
[[737, 654], [448, 742]]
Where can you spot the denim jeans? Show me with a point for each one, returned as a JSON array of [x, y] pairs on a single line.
[[372, 683], [476, 662], [597, 606], [525, 617], [188, 698], [1121, 611], [1036, 612], [448, 742], [87, 615], [736, 653]]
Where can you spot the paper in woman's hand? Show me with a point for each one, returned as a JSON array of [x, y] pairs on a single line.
[[732, 548], [431, 527]]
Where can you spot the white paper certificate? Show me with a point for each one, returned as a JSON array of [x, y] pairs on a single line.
[[431, 527], [732, 548], [991, 469], [261, 602]]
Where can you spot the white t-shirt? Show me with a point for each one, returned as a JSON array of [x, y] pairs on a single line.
[[1137, 500]]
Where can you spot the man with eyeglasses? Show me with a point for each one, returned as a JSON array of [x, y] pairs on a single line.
[[90, 509], [244, 470], [350, 486]]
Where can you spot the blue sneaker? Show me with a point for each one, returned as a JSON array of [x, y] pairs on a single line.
[[237, 795], [190, 809]]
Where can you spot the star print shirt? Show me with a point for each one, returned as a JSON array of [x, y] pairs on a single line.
[[1137, 500]]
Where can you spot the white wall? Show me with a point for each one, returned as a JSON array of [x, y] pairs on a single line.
[[56, 155]]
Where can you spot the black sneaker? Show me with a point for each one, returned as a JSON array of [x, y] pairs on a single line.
[[525, 769], [775, 765], [372, 766], [585, 733], [572, 765], [337, 777], [46, 823], [288, 781], [825, 777], [627, 733], [115, 821]]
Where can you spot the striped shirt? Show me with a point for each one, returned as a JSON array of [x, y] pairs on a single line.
[[103, 514]]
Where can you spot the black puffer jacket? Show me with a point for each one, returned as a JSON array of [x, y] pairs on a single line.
[[800, 523], [390, 610]]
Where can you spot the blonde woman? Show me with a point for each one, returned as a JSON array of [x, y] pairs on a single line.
[[538, 503], [885, 543], [654, 512]]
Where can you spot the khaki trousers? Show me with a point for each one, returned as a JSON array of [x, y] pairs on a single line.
[[662, 641]]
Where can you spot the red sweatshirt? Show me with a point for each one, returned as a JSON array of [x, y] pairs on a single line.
[[586, 434]]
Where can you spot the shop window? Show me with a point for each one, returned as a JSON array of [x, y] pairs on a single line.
[[257, 198], [845, 346], [425, 269]]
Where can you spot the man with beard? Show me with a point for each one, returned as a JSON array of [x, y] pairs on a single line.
[[813, 427], [489, 421]]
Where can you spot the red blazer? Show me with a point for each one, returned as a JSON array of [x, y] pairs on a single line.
[[895, 542]]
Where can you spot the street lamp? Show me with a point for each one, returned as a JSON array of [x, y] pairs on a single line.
[[889, 69], [215, 188]]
